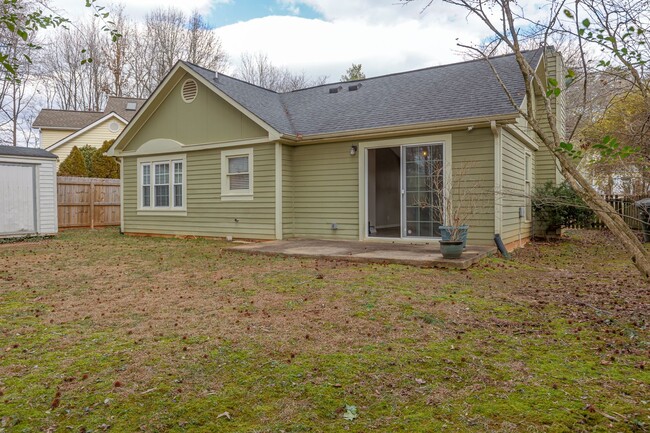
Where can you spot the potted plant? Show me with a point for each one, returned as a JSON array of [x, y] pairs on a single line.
[[453, 204]]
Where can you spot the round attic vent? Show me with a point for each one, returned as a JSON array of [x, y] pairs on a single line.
[[113, 126], [189, 90]]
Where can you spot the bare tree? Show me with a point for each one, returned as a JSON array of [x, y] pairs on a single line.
[[74, 68], [257, 69], [615, 24], [114, 54], [165, 29], [17, 89], [203, 46]]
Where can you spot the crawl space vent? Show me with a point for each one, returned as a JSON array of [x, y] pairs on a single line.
[[189, 90]]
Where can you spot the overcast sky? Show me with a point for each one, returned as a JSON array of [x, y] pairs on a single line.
[[323, 37]]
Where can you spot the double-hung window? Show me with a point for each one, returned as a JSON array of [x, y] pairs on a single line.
[[237, 174], [161, 184], [145, 197]]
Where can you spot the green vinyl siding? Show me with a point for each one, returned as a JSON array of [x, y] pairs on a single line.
[[547, 168], [207, 119], [546, 164], [513, 188], [207, 214], [473, 158], [325, 179]]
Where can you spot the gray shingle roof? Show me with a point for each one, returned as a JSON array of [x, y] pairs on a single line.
[[65, 119], [25, 151], [441, 93], [75, 120], [118, 106]]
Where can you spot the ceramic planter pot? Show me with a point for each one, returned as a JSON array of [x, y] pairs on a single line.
[[451, 249], [446, 231]]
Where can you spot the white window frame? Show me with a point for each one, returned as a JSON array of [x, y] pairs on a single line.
[[239, 194], [152, 162], [142, 185], [528, 202]]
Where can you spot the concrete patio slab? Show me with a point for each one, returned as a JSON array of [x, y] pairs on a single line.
[[422, 255]]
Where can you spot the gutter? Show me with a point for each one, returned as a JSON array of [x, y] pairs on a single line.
[[391, 131]]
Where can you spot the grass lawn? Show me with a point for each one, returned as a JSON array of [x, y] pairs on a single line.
[[104, 332]]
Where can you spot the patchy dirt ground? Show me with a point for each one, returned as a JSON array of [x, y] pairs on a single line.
[[100, 331]]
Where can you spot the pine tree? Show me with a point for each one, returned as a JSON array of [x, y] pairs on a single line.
[[74, 164], [105, 166], [88, 151], [354, 72]]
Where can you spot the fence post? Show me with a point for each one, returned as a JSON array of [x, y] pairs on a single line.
[[92, 204]]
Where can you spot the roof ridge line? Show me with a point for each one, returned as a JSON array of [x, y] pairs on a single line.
[[71, 111], [392, 74]]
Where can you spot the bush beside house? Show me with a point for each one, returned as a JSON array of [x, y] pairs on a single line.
[[90, 162], [74, 165]]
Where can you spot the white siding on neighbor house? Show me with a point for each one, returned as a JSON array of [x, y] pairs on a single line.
[[513, 188], [51, 136], [94, 137], [27, 196], [47, 208]]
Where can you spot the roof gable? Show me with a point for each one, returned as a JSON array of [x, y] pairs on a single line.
[[98, 122], [210, 118]]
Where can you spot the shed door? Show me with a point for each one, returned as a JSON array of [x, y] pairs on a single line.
[[17, 198]]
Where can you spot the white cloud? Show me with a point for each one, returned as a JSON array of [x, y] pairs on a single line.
[[382, 35], [320, 47]]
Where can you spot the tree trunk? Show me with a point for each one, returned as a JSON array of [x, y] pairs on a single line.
[[614, 222]]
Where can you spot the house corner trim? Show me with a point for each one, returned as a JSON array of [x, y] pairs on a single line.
[[278, 191]]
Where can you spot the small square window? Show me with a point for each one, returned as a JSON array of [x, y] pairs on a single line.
[[237, 174]]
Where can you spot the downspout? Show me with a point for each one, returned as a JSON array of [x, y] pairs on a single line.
[[120, 161], [496, 132]]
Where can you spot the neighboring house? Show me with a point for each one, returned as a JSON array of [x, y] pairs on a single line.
[[61, 130], [210, 155], [27, 192]]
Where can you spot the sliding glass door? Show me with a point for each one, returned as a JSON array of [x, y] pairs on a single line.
[[422, 190]]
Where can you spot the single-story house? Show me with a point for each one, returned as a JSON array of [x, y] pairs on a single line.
[[211, 155], [27, 192], [61, 130]]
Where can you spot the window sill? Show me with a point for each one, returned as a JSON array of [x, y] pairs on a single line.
[[236, 197], [163, 212]]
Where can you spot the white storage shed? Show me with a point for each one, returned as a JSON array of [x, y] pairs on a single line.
[[27, 192]]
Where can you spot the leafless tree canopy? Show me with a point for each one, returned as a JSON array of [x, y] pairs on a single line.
[[16, 90], [259, 70], [131, 66]]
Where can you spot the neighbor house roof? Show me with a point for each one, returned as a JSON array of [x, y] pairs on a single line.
[[75, 120], [441, 93], [126, 108], [26, 152], [65, 119]]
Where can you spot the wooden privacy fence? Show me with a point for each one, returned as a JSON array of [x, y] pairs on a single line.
[[88, 202], [625, 206]]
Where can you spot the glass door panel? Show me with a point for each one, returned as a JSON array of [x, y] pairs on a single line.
[[423, 177]]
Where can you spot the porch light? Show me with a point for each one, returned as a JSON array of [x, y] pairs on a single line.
[[353, 150]]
